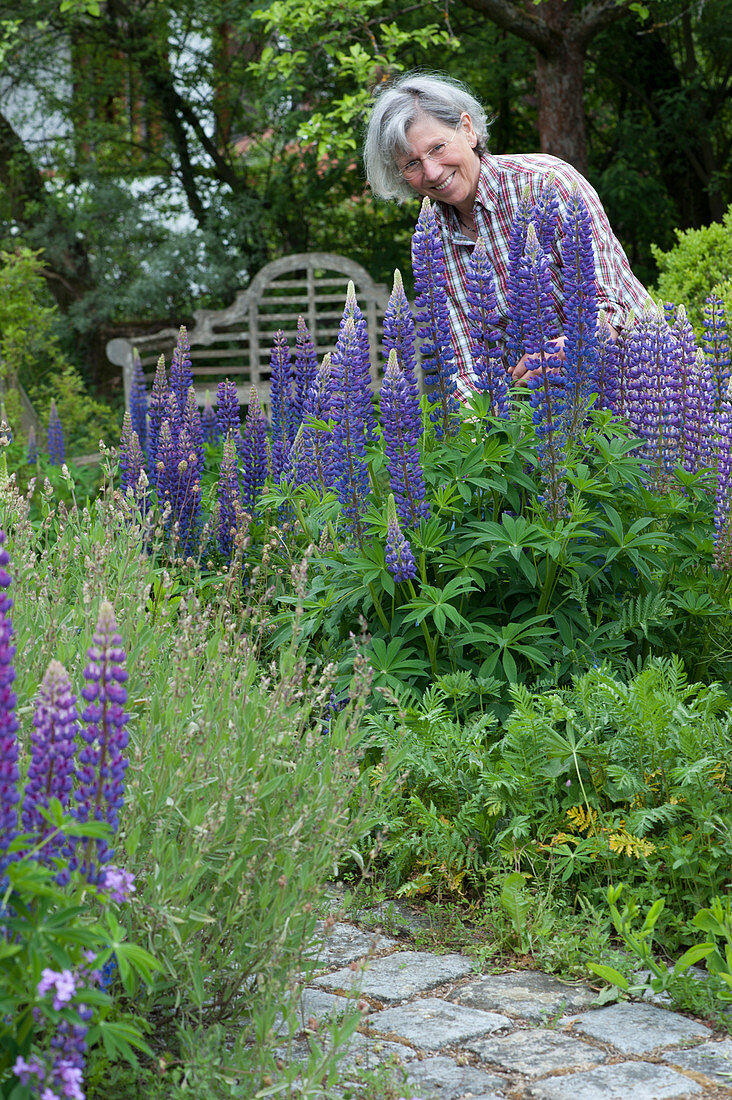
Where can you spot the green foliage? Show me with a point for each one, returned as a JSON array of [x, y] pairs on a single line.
[[611, 778], [700, 263]]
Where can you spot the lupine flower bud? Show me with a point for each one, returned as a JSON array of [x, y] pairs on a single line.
[[433, 324], [402, 426], [102, 761], [56, 445], [53, 745], [9, 774], [398, 553], [138, 400], [399, 333], [491, 375]]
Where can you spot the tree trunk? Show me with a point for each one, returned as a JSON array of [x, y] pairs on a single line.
[[560, 88]]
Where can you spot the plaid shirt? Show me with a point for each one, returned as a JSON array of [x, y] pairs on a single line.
[[500, 186]]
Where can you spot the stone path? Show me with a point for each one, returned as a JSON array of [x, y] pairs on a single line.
[[522, 1035]]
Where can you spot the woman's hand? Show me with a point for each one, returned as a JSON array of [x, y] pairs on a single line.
[[523, 371]]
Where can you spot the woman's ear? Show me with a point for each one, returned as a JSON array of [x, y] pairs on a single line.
[[469, 129]]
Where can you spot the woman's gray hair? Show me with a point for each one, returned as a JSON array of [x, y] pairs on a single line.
[[398, 106]]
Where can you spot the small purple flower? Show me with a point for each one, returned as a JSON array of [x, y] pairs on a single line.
[[53, 745], [402, 427], [251, 447], [56, 445], [433, 322], [227, 411], [398, 552], [9, 773], [63, 984], [138, 400], [119, 884], [24, 1070], [102, 761]]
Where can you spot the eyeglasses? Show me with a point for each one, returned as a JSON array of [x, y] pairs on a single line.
[[437, 153]]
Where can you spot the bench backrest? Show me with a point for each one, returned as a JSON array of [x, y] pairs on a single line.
[[236, 342]]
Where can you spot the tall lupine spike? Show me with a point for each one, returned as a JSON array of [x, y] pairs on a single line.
[[53, 746], [191, 421], [306, 367], [173, 414], [9, 772], [56, 445], [138, 399], [360, 366], [252, 452], [581, 348], [608, 365], [516, 246], [723, 497], [166, 467], [399, 333], [187, 499], [686, 359], [491, 375], [433, 325], [398, 551], [315, 460], [156, 413], [227, 408], [351, 478], [696, 440], [282, 412], [717, 344], [546, 386], [545, 214], [654, 395], [32, 454], [181, 372], [229, 517], [102, 762], [127, 474], [402, 427], [209, 424]]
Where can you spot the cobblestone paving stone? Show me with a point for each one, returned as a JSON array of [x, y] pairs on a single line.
[[462, 1036]]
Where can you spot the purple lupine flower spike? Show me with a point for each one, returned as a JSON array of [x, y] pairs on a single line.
[[181, 372], [306, 367], [173, 414], [102, 761], [546, 387], [433, 323], [191, 421], [717, 344], [360, 366], [138, 400], [492, 378], [654, 393], [581, 348], [125, 476], [399, 333], [351, 478], [32, 455], [56, 445], [209, 424], [9, 773], [545, 214], [227, 410], [516, 247], [252, 451], [156, 413], [696, 441], [398, 551], [229, 500], [315, 458], [281, 404], [723, 499], [608, 365], [53, 745], [402, 427]]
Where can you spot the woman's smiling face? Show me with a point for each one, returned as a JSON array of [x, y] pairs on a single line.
[[454, 179]]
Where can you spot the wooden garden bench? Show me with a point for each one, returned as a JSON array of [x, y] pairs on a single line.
[[235, 342]]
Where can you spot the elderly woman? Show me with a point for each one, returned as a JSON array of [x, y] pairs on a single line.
[[427, 135]]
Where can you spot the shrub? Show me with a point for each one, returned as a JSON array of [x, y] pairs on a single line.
[[699, 263]]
